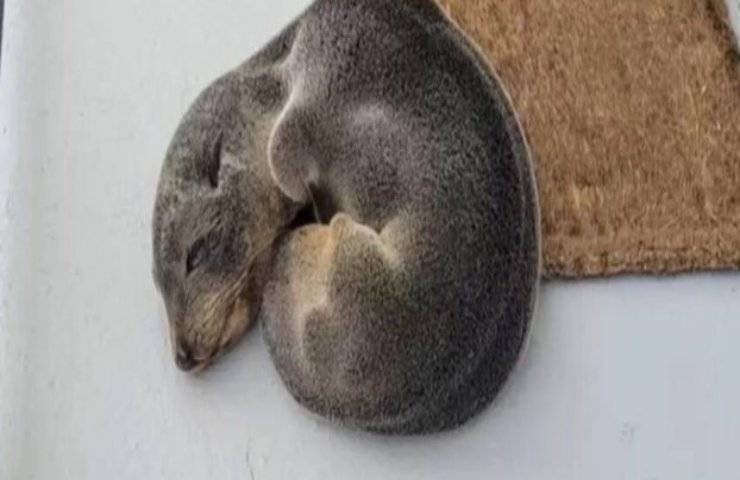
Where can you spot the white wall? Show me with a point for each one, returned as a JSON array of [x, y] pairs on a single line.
[[630, 378]]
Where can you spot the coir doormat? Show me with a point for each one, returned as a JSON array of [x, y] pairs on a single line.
[[632, 110]]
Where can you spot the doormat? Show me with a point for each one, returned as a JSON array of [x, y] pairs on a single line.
[[632, 111]]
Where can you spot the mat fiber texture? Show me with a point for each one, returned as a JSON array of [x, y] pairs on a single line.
[[632, 111]]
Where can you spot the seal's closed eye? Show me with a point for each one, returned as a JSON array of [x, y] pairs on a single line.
[[212, 160], [196, 255]]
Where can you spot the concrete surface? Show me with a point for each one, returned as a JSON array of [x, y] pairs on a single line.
[[635, 378]]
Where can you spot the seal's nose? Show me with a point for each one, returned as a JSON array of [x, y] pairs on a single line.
[[184, 359]]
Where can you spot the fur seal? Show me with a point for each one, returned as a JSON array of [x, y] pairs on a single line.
[[362, 187]]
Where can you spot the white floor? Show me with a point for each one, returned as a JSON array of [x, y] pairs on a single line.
[[636, 378]]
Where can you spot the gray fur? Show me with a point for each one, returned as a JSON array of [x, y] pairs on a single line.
[[403, 307]]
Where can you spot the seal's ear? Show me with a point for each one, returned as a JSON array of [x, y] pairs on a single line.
[[290, 153]]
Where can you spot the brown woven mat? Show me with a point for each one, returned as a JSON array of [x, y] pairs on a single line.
[[632, 110]]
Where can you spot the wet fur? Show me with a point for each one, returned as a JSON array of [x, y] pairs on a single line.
[[403, 306]]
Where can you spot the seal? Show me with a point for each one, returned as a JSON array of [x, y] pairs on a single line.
[[362, 187]]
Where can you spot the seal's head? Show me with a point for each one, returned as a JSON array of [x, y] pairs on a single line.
[[207, 241]]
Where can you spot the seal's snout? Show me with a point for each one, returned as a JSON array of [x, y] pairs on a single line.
[[184, 359]]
